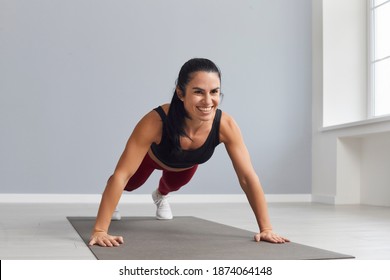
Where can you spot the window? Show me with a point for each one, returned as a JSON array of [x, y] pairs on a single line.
[[380, 58]]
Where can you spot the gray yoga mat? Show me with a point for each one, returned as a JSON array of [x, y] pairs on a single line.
[[190, 238]]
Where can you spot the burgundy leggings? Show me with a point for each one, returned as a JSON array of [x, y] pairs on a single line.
[[169, 182]]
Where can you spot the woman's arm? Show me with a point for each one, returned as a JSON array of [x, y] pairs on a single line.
[[230, 135], [147, 131]]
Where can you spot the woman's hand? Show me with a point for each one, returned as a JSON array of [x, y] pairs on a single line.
[[103, 239], [270, 236]]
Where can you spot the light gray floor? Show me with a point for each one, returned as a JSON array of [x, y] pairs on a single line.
[[41, 231]]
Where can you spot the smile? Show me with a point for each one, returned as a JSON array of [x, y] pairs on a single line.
[[205, 109]]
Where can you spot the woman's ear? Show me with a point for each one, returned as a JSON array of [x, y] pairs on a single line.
[[179, 93]]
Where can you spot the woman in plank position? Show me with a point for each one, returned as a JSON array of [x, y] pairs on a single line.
[[176, 138]]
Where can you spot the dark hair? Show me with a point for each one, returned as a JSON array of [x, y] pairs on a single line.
[[177, 112]]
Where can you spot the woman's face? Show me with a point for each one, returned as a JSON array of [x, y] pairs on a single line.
[[202, 95]]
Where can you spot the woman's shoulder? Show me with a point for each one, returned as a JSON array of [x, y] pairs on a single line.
[[150, 125], [153, 115], [165, 107], [227, 120], [228, 127]]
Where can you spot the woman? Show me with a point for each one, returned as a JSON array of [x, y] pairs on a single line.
[[175, 138]]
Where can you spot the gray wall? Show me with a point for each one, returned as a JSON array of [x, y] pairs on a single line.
[[76, 76]]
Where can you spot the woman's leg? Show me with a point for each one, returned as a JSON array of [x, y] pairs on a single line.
[[169, 182], [172, 181], [142, 174]]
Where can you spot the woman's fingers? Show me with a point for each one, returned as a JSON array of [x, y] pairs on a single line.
[[270, 236], [106, 240]]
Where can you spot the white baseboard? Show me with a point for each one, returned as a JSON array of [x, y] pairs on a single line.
[[276, 198], [50, 198], [146, 198], [325, 199]]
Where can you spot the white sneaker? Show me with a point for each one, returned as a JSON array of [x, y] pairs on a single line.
[[163, 209], [116, 216]]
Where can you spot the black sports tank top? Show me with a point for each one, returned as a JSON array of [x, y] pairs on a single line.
[[186, 158]]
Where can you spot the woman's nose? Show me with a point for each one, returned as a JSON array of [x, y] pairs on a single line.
[[207, 98]]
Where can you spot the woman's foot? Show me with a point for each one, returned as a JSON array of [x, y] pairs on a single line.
[[163, 211], [116, 216]]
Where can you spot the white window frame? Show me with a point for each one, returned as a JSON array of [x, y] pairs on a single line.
[[372, 60]]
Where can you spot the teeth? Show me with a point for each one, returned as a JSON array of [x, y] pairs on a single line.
[[205, 109]]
